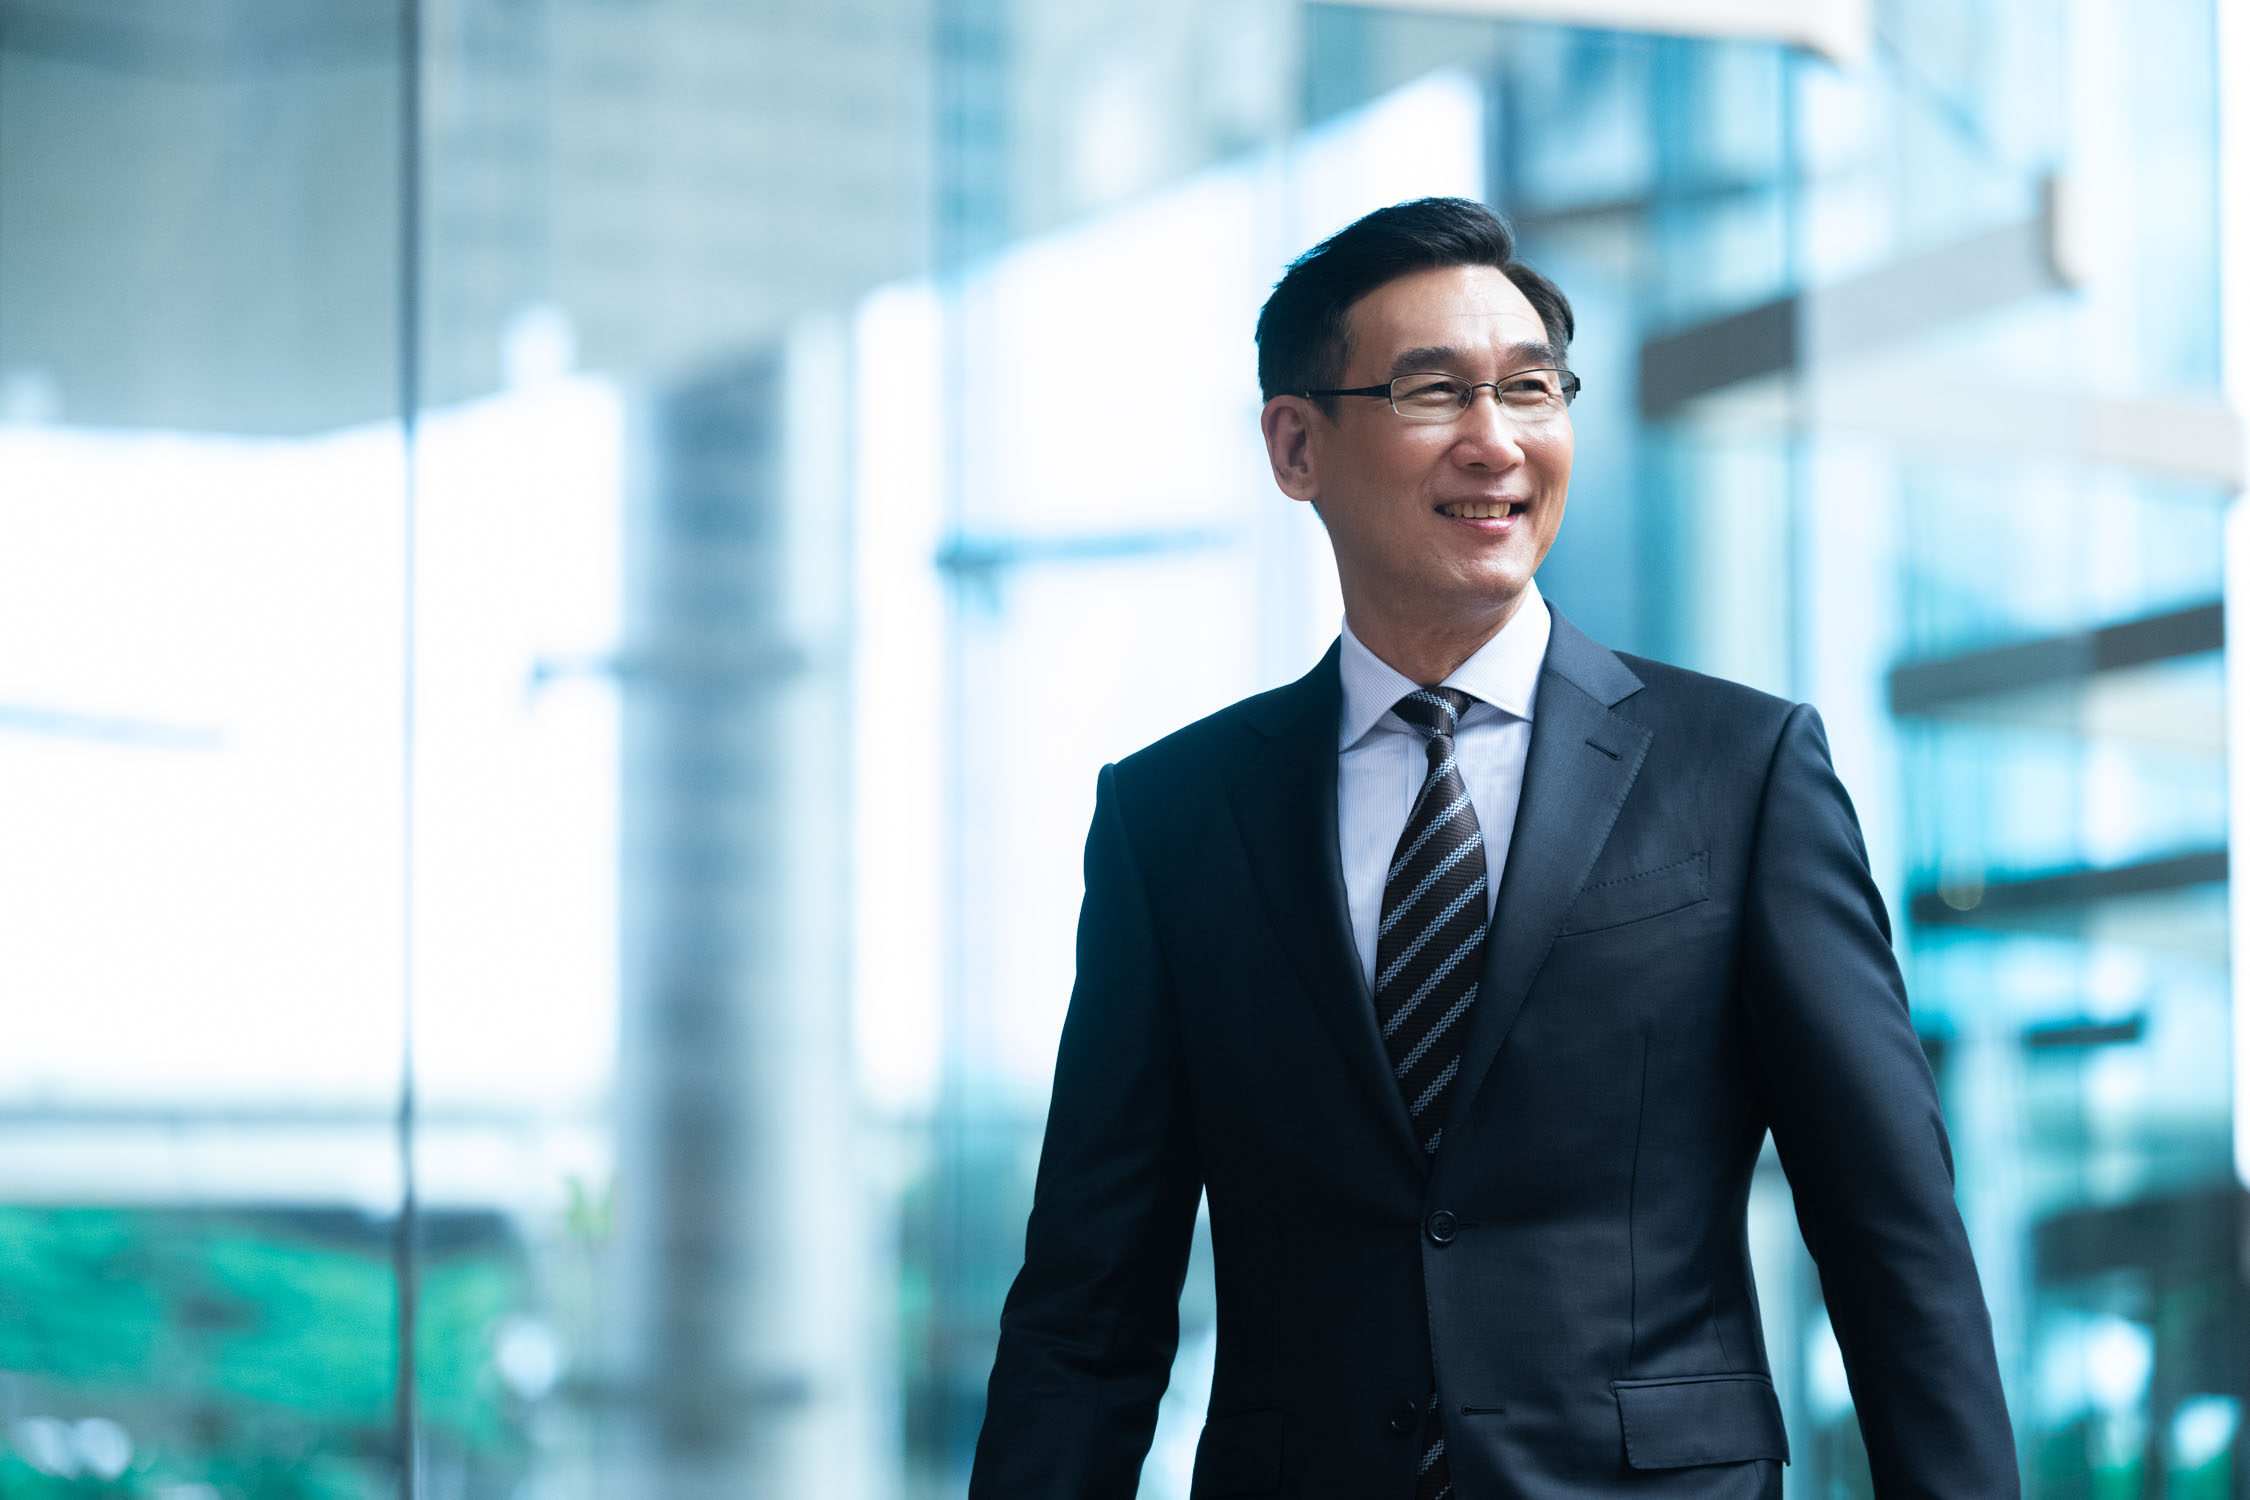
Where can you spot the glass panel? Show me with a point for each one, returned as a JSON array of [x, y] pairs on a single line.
[[201, 728], [836, 442]]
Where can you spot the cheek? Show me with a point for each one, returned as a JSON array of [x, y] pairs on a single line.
[[1558, 456], [1378, 482]]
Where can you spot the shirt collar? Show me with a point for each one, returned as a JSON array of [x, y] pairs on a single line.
[[1504, 672]]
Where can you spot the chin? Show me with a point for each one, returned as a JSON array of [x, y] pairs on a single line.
[[1497, 585], [1469, 602]]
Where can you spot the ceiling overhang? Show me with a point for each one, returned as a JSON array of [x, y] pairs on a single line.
[[1839, 30]]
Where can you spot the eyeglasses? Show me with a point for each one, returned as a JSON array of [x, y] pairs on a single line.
[[1529, 396]]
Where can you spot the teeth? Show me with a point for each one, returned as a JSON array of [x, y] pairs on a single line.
[[1478, 512]]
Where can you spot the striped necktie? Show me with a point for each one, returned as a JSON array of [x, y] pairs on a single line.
[[1430, 946], [1429, 950]]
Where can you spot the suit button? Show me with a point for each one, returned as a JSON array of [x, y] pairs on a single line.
[[1406, 1416], [1440, 1227]]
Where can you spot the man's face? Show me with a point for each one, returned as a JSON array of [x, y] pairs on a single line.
[[1436, 525]]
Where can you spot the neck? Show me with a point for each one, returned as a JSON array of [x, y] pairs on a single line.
[[1425, 650]]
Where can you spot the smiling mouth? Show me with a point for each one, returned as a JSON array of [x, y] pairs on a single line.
[[1481, 510]]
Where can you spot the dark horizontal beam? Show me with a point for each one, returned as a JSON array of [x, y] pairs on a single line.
[[1922, 687], [203, 40], [1925, 290], [1744, 345], [2076, 1035], [1713, 356], [1995, 901], [2194, 1234], [1630, 208]]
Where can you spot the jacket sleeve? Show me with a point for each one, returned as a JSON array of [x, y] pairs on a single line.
[[1090, 1326], [1855, 1118]]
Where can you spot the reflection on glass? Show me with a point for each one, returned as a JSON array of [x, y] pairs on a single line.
[[838, 440]]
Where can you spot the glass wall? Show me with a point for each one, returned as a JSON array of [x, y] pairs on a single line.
[[202, 603], [567, 568], [1926, 427]]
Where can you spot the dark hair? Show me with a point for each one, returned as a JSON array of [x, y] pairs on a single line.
[[1304, 331]]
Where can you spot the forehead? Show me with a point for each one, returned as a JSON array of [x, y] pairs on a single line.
[[1469, 308]]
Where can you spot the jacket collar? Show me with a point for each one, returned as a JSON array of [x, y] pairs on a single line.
[[1503, 673], [1582, 762]]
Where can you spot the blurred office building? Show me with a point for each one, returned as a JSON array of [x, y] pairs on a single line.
[[567, 568]]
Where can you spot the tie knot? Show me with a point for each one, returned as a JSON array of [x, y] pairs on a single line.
[[1435, 711]]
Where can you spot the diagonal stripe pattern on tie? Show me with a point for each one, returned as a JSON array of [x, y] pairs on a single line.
[[1433, 1479], [1429, 950], [1429, 945]]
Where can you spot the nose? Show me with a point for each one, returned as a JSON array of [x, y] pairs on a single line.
[[1486, 435]]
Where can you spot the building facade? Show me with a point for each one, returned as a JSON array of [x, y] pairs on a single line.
[[567, 568]]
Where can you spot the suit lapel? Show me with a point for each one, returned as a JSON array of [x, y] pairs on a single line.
[[1582, 761], [1283, 789]]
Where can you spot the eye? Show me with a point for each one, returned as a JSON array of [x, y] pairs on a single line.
[[1428, 392], [1532, 388]]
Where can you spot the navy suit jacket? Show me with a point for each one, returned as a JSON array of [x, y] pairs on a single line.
[[1687, 952]]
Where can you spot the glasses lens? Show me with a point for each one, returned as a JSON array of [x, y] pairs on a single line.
[[1528, 395], [1429, 398], [1532, 391]]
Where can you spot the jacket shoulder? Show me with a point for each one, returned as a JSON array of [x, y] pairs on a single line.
[[1711, 716], [1680, 694]]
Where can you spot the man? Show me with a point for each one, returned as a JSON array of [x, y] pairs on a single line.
[[1466, 976]]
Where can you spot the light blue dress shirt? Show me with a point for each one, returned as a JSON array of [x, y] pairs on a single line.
[[1381, 762]]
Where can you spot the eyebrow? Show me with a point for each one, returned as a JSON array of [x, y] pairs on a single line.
[[1537, 355]]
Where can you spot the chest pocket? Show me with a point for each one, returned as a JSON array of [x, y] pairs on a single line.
[[1635, 898]]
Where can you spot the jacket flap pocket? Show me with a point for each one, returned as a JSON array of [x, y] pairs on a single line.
[[1700, 1419], [1630, 898], [1240, 1454]]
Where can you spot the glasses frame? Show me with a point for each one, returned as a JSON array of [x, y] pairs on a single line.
[[1571, 385]]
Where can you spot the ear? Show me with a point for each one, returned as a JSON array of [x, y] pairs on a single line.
[[1287, 425]]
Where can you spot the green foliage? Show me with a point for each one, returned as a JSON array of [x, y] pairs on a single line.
[[464, 1299], [251, 1351], [79, 1299], [316, 1329]]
